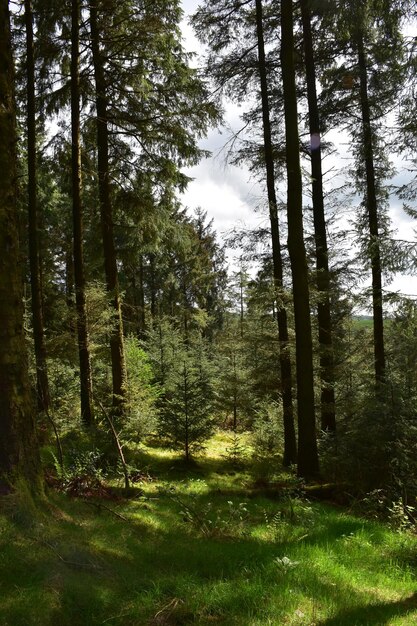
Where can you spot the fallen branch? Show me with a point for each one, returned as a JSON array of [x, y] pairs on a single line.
[[117, 442], [100, 505]]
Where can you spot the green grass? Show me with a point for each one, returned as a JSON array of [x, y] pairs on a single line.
[[261, 561]]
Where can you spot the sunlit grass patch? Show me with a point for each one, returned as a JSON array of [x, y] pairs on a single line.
[[200, 545]]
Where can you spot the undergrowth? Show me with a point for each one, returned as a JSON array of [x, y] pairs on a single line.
[[200, 545]]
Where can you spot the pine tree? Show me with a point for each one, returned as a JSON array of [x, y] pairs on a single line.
[[307, 465], [18, 447], [183, 370], [34, 226], [324, 318], [106, 208], [290, 444], [86, 385]]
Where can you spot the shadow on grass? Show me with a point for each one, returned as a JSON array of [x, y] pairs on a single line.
[[89, 567], [374, 614]]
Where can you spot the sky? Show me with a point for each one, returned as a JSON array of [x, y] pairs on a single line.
[[226, 192], [229, 195]]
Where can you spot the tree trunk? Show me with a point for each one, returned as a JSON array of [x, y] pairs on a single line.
[[308, 465], [328, 413], [86, 386], [142, 310], [42, 386], [152, 288], [372, 208], [186, 414], [290, 444], [18, 447], [106, 213]]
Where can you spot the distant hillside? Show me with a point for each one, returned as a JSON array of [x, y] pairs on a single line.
[[362, 321]]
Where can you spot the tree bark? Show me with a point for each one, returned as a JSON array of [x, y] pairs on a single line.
[[328, 410], [372, 209], [18, 447], [42, 386], [142, 309], [308, 465], [106, 213], [86, 385], [290, 444]]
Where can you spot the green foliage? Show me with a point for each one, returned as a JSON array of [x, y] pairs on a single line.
[[212, 521], [376, 434], [185, 373], [267, 431], [236, 451], [64, 390], [142, 394], [185, 413], [233, 383], [267, 442]]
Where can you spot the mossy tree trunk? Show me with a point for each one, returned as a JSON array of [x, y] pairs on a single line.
[[18, 448], [33, 232]]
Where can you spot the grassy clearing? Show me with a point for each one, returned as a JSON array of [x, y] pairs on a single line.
[[199, 547]]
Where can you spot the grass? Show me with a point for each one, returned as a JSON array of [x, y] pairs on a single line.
[[198, 546]]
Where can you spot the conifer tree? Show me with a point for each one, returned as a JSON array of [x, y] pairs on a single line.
[[86, 385], [33, 222], [233, 33], [18, 447], [364, 84], [106, 208], [324, 318], [307, 464], [290, 445], [184, 371]]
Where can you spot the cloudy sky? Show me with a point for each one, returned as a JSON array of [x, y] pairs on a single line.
[[229, 195]]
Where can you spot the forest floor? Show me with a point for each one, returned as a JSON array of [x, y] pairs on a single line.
[[200, 545]]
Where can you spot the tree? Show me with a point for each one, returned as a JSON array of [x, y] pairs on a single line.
[[33, 231], [324, 319], [106, 210], [18, 448], [363, 85], [183, 369], [372, 210], [86, 386], [290, 444], [308, 465]]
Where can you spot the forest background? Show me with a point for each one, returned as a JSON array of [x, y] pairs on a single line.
[[133, 326], [199, 413]]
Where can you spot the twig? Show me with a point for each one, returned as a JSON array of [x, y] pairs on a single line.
[[69, 563], [107, 508], [117, 442]]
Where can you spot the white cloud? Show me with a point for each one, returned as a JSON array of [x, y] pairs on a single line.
[[231, 197]]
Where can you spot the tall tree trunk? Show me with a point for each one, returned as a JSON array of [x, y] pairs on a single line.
[[86, 385], [152, 288], [18, 448], [308, 465], [327, 373], [106, 213], [290, 444], [69, 284], [372, 208], [142, 310], [33, 234]]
